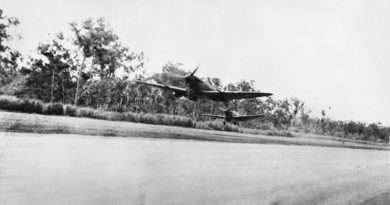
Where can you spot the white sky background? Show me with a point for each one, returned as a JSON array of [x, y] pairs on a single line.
[[328, 53]]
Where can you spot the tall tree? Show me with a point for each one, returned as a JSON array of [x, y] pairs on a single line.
[[8, 56], [100, 46], [50, 75]]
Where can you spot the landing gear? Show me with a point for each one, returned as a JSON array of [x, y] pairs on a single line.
[[224, 122], [235, 123]]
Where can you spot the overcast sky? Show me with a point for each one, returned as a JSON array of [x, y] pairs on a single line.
[[328, 53]]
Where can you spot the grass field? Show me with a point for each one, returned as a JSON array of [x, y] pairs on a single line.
[[21, 122], [14, 104]]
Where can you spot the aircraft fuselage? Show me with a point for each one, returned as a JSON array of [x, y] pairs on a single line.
[[229, 115], [195, 86]]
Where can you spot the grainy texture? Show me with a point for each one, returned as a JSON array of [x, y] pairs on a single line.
[[21, 122], [74, 169]]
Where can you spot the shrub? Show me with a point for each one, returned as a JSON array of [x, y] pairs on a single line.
[[116, 116], [26, 106], [128, 116], [85, 112], [100, 114], [215, 125], [38, 106], [189, 123], [70, 110], [231, 128], [11, 103], [55, 109]]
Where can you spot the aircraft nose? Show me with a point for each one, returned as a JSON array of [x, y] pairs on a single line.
[[187, 79]]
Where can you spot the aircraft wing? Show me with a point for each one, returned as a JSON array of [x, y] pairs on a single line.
[[230, 95], [216, 116], [168, 87], [247, 117]]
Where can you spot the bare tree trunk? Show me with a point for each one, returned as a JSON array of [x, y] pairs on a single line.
[[63, 91], [120, 104], [77, 90], [52, 86], [76, 98]]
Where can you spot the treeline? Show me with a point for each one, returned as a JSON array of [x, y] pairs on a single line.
[[88, 66]]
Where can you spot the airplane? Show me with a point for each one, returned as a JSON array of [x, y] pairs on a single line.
[[234, 116], [197, 88]]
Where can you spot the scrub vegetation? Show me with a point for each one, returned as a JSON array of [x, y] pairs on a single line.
[[49, 124]]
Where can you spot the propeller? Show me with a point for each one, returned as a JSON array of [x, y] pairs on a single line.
[[193, 72], [187, 77], [191, 76]]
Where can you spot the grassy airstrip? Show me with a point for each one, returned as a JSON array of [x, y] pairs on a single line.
[[11, 103], [28, 115], [36, 123]]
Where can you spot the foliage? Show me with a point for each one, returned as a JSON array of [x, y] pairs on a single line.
[[60, 69], [99, 43], [14, 86], [49, 77], [12, 103], [70, 110], [109, 94], [8, 56], [55, 109]]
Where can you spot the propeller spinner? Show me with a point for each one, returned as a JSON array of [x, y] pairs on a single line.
[[191, 76]]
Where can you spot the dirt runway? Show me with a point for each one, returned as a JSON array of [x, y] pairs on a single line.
[[75, 169]]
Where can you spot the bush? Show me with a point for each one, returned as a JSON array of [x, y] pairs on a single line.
[[38, 106], [55, 109], [85, 112], [232, 128], [128, 116], [11, 103], [189, 123], [106, 115], [26, 106], [100, 114], [70, 110], [216, 125]]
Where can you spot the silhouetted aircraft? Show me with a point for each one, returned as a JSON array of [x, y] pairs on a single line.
[[197, 88], [233, 116]]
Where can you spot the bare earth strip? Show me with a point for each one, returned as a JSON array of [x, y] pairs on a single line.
[[75, 169], [21, 122]]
